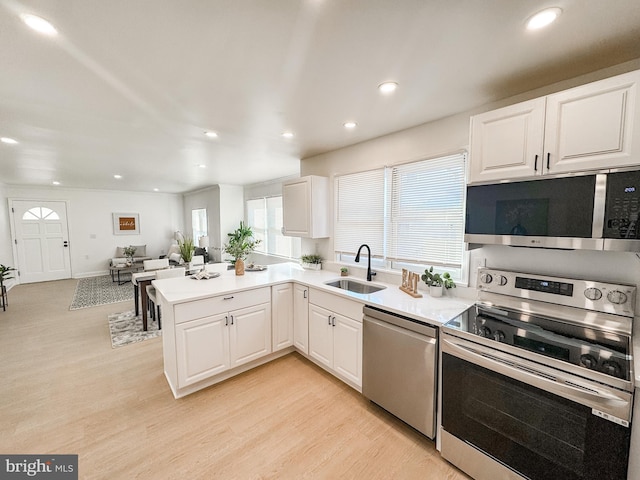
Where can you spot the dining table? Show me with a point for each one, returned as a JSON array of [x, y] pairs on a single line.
[[140, 280]]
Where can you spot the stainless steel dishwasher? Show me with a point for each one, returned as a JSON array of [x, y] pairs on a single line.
[[399, 367]]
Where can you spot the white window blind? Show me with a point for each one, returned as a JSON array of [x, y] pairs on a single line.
[[427, 212], [410, 214], [360, 206]]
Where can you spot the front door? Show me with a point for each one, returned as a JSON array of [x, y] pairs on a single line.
[[41, 239]]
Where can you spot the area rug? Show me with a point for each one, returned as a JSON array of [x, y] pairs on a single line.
[[94, 291], [126, 329]]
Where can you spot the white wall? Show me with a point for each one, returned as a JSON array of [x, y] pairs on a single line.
[[91, 238], [225, 210], [452, 134]]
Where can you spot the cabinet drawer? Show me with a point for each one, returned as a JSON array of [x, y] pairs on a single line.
[[343, 306], [221, 304]]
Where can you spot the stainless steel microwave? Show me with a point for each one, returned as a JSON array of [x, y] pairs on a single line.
[[591, 211]]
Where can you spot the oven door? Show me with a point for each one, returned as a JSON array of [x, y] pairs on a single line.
[[528, 419]]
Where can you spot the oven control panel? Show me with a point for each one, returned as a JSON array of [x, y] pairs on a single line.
[[585, 294]]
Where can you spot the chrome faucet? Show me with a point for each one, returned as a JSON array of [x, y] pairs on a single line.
[[369, 272]]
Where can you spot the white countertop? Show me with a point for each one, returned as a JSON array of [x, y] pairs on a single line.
[[427, 308]]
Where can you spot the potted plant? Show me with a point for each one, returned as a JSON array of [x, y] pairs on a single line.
[[312, 261], [129, 252], [436, 282], [344, 271], [186, 249], [5, 274], [240, 244]]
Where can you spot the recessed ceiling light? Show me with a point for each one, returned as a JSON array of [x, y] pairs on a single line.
[[350, 125], [387, 87], [8, 140], [156, 189], [211, 134], [287, 134], [55, 182], [118, 177], [543, 18], [202, 165], [38, 24]]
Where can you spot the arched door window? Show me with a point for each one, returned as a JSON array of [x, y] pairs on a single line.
[[40, 213]]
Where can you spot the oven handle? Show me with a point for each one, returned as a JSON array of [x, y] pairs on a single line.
[[554, 381]]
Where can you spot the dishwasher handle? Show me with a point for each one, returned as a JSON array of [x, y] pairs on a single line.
[[400, 321]]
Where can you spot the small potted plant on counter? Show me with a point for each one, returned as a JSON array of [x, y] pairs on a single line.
[[436, 282], [344, 271], [241, 243], [311, 261]]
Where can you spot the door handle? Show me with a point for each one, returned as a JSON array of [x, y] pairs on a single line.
[[65, 243], [226, 321], [231, 319], [548, 159], [535, 164], [329, 319], [304, 295], [333, 322]]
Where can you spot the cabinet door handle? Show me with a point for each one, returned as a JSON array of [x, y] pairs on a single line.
[[227, 298], [548, 159], [231, 319], [304, 294], [333, 322], [226, 321], [535, 164], [329, 319]]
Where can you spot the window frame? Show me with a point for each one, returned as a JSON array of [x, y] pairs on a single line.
[[383, 260]]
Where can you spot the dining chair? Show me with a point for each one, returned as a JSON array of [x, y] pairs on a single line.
[[197, 261], [155, 264], [217, 267], [154, 307]]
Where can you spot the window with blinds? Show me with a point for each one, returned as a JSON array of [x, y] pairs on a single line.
[[264, 216], [410, 214]]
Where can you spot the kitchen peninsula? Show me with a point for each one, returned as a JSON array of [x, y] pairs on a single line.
[[217, 328]]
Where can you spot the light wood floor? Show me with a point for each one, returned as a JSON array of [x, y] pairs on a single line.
[[66, 391]]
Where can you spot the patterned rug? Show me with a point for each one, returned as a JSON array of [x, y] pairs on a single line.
[[126, 329], [94, 291]]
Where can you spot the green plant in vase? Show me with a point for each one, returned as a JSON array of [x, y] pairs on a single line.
[[312, 261], [187, 248], [129, 252], [5, 274], [239, 245], [437, 282]]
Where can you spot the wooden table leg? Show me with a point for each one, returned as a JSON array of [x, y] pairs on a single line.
[[145, 301], [136, 291]]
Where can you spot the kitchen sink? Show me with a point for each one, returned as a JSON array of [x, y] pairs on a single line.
[[355, 287]]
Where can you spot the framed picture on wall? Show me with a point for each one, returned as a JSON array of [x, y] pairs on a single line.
[[126, 224]]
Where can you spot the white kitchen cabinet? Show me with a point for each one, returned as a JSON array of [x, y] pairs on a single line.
[[282, 315], [506, 143], [211, 345], [335, 335], [591, 127], [301, 318], [216, 334], [305, 204], [202, 348]]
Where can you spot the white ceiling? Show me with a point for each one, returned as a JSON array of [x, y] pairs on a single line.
[[129, 86]]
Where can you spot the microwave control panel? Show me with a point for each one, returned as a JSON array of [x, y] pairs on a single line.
[[623, 205]]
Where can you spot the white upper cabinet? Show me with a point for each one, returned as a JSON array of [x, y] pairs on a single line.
[[594, 126], [305, 204], [508, 142]]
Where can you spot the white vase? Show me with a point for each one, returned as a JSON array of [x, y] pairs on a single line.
[[436, 291], [311, 266]]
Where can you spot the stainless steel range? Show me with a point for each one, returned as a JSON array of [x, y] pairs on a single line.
[[537, 379]]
